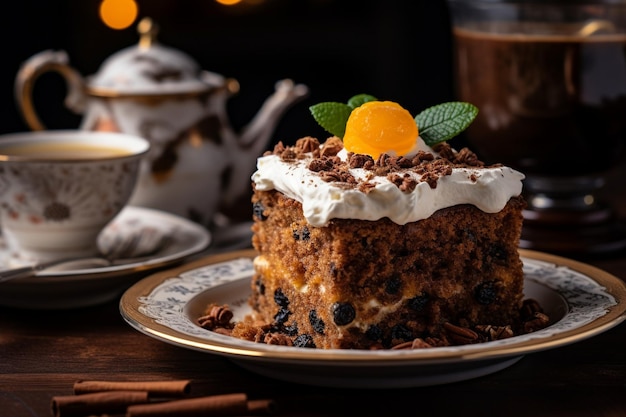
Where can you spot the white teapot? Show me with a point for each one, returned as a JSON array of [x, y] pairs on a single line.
[[197, 162]]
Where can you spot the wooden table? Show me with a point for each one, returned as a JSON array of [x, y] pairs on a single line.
[[43, 353]]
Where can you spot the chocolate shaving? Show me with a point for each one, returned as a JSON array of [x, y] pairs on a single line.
[[278, 149], [422, 156], [289, 154], [216, 317], [494, 332], [331, 147], [366, 187], [279, 339], [417, 343], [537, 322], [445, 151], [307, 144], [357, 160], [467, 157], [426, 166], [337, 175], [321, 164], [460, 335]]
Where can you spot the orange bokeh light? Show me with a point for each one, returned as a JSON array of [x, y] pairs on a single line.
[[118, 14], [228, 2]]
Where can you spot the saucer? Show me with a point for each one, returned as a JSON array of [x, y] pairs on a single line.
[[581, 301], [56, 289]]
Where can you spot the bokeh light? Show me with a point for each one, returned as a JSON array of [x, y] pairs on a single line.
[[118, 14]]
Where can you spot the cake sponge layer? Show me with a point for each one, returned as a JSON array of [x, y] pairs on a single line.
[[364, 284]]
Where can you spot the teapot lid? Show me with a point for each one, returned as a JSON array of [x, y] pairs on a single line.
[[149, 68]]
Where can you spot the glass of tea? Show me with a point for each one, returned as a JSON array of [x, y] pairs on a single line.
[[549, 79]]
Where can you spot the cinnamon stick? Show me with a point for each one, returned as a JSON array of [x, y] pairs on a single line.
[[176, 388], [96, 403], [261, 407], [215, 405]]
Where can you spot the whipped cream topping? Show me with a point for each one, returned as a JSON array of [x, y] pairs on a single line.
[[487, 188]]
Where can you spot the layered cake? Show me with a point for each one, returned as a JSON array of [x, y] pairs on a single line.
[[374, 240]]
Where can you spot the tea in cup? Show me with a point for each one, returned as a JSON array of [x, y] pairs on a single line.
[[59, 189]]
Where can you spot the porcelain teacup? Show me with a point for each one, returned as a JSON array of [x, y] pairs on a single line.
[[59, 189]]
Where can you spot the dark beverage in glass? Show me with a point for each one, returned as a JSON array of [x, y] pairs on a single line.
[[552, 103], [549, 80]]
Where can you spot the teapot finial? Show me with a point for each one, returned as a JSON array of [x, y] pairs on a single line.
[[147, 32]]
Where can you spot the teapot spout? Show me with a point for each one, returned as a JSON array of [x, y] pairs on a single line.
[[255, 136], [259, 130]]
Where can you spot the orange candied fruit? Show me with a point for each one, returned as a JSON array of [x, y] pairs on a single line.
[[378, 127]]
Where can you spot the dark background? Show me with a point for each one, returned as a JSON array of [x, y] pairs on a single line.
[[396, 50]]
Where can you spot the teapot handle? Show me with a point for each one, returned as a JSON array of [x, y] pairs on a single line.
[[35, 66]]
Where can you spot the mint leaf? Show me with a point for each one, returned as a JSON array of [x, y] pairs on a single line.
[[359, 99], [444, 121], [332, 116]]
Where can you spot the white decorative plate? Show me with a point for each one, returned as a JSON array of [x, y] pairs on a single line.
[[581, 300], [53, 289]]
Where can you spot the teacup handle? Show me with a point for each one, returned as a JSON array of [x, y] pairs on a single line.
[[28, 73]]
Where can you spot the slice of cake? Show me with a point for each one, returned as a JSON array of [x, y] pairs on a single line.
[[387, 241], [384, 238]]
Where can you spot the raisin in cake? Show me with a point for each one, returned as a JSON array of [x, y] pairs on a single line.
[[363, 252]]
